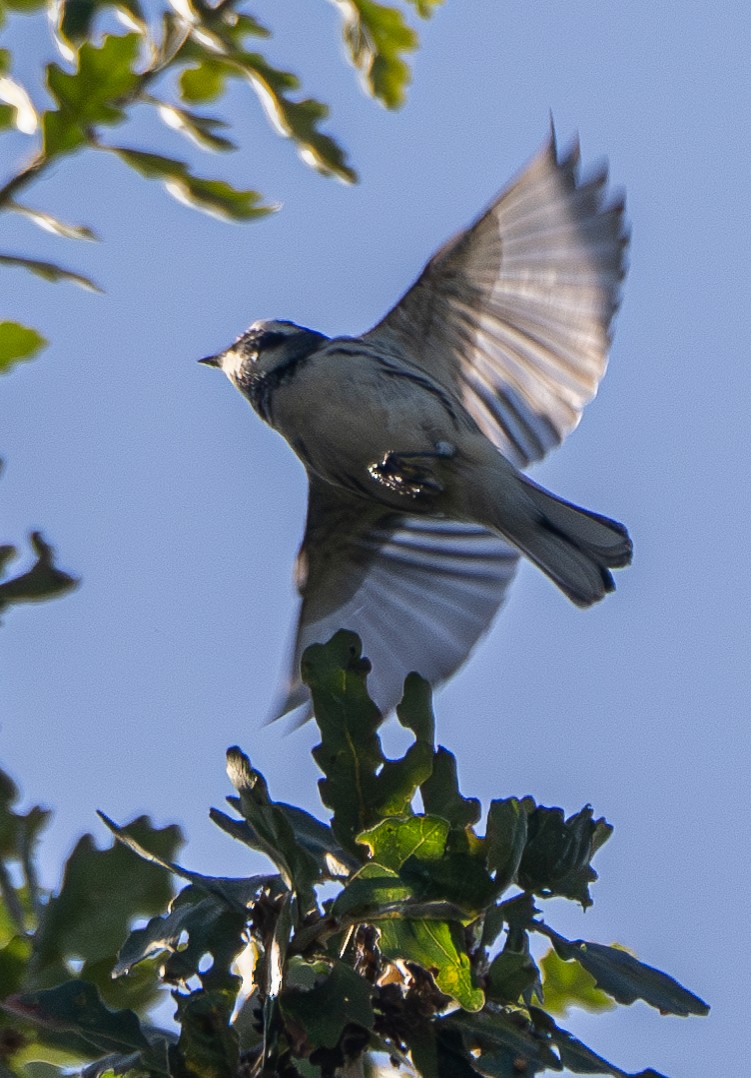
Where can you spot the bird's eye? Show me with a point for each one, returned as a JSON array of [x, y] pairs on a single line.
[[269, 339]]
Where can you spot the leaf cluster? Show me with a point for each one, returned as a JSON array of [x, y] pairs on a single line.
[[175, 60], [384, 930]]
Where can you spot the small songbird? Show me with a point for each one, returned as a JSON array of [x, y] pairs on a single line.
[[412, 434]]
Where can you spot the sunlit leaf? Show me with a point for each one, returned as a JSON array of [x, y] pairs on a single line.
[[93, 94], [212, 196], [625, 978], [432, 944], [567, 984], [377, 38], [17, 343], [22, 115], [202, 130], [50, 271], [395, 839], [53, 224]]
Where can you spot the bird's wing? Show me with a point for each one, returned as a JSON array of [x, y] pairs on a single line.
[[418, 592], [514, 313]]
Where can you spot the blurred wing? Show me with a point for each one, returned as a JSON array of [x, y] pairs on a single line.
[[418, 592], [514, 314]]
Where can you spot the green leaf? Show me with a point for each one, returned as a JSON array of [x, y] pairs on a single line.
[[567, 984], [377, 37], [506, 837], [371, 892], [272, 828], [510, 975], [212, 196], [75, 18], [441, 796], [296, 119], [195, 912], [556, 858], [202, 130], [53, 224], [17, 343], [208, 1045], [578, 1058], [94, 94], [101, 892], [509, 1045], [625, 978], [42, 581], [323, 1003], [395, 839], [204, 83], [350, 753], [433, 945], [50, 271], [75, 1006]]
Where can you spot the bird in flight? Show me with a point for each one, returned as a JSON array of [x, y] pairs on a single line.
[[413, 434]]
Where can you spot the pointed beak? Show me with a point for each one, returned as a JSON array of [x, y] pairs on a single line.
[[211, 361]]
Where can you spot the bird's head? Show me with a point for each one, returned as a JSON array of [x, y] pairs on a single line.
[[264, 353]]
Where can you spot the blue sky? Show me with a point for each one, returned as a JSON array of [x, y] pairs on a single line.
[[181, 512]]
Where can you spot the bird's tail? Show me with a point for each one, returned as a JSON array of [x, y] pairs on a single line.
[[574, 547]]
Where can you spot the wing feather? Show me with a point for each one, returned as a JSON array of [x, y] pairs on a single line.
[[514, 314]]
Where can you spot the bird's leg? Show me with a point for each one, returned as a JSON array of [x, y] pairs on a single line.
[[411, 472]]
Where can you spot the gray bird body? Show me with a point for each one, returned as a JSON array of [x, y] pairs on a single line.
[[413, 435]]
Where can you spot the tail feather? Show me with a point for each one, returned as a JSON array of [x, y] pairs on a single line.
[[573, 546]]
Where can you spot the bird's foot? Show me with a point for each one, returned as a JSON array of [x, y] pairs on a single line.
[[411, 472]]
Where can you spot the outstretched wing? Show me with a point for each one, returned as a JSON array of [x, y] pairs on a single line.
[[515, 312], [418, 592]]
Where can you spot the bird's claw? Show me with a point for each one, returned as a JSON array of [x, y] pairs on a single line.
[[410, 473]]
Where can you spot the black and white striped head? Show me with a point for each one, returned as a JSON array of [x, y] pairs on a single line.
[[264, 355]]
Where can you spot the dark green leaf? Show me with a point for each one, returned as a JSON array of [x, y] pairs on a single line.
[[350, 753], [75, 17], [433, 945], [18, 342], [102, 891], [625, 978], [567, 984], [580, 1059], [50, 271], [75, 1007], [42, 581], [458, 878], [370, 891], [556, 858], [329, 1002], [510, 974], [208, 1044], [271, 825], [441, 796], [400, 779], [508, 1042], [506, 837]]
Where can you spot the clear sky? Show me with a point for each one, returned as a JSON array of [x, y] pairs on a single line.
[[181, 512]]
